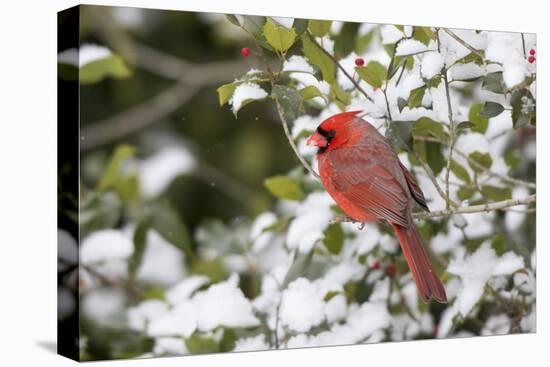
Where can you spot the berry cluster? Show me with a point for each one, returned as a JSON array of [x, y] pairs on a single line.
[[531, 58]]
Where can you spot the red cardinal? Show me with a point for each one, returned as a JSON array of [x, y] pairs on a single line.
[[362, 173]]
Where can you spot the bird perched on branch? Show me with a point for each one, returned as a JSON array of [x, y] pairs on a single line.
[[363, 174]]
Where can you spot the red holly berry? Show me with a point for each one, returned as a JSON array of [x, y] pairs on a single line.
[[359, 61], [375, 265], [531, 59], [245, 51], [532, 51], [391, 270]]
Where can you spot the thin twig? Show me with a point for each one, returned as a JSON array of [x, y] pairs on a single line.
[[523, 45], [353, 81], [451, 124], [482, 208], [153, 110], [464, 43], [291, 141], [280, 112], [114, 282], [504, 178]]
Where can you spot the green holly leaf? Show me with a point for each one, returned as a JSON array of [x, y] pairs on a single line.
[[479, 123], [482, 159], [283, 187], [374, 73], [496, 193], [460, 172], [112, 66], [416, 96], [279, 37], [319, 27], [493, 82], [318, 58], [423, 34], [225, 92], [334, 238], [491, 109]]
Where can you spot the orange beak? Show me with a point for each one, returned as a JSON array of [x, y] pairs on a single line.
[[317, 140]]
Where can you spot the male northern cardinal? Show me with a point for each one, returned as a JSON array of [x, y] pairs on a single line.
[[363, 174]]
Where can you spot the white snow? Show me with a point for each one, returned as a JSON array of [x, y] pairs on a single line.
[[86, 54], [203, 312], [139, 316], [173, 346], [181, 320], [250, 344], [105, 244], [362, 322], [390, 34], [312, 217], [105, 306], [236, 311], [259, 238], [476, 269], [410, 47], [182, 291], [299, 64], [285, 22], [432, 63], [302, 306], [159, 170], [336, 308], [89, 53], [246, 92], [466, 71], [162, 263]]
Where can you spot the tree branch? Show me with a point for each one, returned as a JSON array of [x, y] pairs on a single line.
[[136, 292], [451, 125], [148, 112], [353, 81], [291, 141], [504, 178], [464, 43], [488, 207]]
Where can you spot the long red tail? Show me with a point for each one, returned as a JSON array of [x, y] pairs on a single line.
[[427, 282]]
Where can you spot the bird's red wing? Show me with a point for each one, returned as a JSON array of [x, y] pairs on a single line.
[[370, 186]]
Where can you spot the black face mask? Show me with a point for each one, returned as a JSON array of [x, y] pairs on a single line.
[[328, 135]]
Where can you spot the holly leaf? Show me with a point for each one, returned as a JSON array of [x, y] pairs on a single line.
[[289, 98], [283, 187], [318, 58], [279, 37], [416, 96], [493, 82], [460, 172], [374, 73], [423, 34], [425, 126], [112, 66], [491, 109], [478, 123], [399, 134], [496, 193], [334, 238], [225, 92], [319, 27], [482, 159]]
